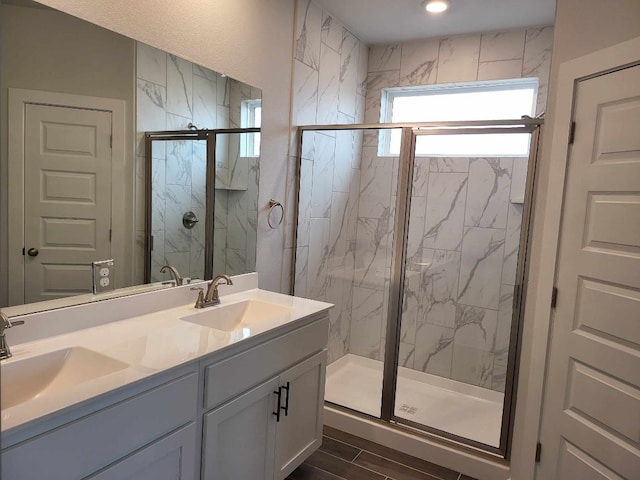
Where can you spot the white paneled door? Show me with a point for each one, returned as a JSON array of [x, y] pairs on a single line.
[[67, 198], [591, 411]]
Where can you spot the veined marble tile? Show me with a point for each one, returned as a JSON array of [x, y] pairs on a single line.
[[475, 327], [157, 256], [221, 209], [499, 374], [236, 261], [376, 82], [252, 240], [537, 61], [179, 86], [177, 122], [500, 69], [505, 314], [420, 185], [302, 272], [360, 103], [335, 295], [308, 33], [199, 176], [151, 102], [204, 103], [305, 96], [196, 260], [151, 64], [363, 68], [331, 32], [344, 160], [374, 237], [324, 158], [238, 93], [222, 90], [438, 288], [507, 45], [222, 114], [449, 165], [376, 179], [219, 251], [417, 214], [458, 59], [445, 210], [419, 63], [481, 267], [238, 167], [384, 57], [237, 221], [348, 91], [488, 192], [318, 258], [519, 179], [253, 183], [338, 229], [410, 302], [205, 72], [472, 365], [512, 244], [138, 255], [328, 86], [178, 164], [176, 237], [158, 186], [434, 349], [406, 355], [366, 322], [304, 202], [353, 206]]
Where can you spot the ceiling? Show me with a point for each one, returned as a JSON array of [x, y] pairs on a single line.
[[390, 21]]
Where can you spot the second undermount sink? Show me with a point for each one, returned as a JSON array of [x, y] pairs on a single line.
[[51, 373], [236, 316]]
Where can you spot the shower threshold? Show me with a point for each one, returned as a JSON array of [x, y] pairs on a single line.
[[465, 410]]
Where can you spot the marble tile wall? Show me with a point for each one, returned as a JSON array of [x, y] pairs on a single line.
[[171, 94], [330, 70]]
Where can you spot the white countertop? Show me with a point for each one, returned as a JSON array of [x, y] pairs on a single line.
[[150, 344]]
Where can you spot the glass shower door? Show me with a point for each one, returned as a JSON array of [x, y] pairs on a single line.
[[463, 237], [345, 234]]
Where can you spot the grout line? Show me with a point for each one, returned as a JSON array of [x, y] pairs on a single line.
[[359, 466], [356, 457], [407, 466]]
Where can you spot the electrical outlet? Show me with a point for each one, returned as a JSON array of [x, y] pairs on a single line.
[[102, 275]]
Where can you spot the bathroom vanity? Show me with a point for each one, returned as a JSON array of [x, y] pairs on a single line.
[[233, 391]]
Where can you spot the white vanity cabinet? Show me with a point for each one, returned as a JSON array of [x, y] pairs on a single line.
[[137, 437], [273, 424]]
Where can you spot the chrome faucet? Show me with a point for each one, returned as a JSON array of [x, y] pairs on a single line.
[[174, 273], [212, 297], [5, 351]]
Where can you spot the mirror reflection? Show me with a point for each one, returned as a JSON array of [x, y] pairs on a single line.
[[76, 173]]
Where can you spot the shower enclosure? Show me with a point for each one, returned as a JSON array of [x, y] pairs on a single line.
[[418, 234], [201, 201]]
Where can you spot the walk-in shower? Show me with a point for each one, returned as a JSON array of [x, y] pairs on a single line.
[[418, 234]]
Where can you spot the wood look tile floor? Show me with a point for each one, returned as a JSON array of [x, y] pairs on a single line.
[[343, 456]]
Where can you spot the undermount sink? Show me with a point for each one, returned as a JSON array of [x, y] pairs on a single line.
[[237, 316], [52, 372]]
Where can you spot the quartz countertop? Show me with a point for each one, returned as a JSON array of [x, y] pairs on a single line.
[[148, 344]]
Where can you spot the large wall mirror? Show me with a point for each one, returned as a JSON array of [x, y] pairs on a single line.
[[113, 149]]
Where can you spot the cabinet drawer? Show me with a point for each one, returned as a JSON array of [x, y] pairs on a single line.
[[230, 377], [86, 445]]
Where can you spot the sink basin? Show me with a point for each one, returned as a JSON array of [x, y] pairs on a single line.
[[236, 316], [52, 372]]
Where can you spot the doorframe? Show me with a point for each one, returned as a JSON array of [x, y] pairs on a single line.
[[536, 340], [18, 99]]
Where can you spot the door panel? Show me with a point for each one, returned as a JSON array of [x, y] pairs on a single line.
[[67, 198], [591, 413]]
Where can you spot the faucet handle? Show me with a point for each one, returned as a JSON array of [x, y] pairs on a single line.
[[200, 300]]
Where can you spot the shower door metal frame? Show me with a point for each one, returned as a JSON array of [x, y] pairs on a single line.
[[210, 135], [410, 132]]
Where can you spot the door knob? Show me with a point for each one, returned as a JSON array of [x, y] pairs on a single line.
[[33, 252]]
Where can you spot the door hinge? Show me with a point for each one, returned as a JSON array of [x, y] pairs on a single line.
[[110, 141], [572, 132], [554, 297], [23, 252], [151, 243], [538, 452], [110, 234]]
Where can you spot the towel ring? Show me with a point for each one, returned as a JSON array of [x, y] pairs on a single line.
[[273, 204]]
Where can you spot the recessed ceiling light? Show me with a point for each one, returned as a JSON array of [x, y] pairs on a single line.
[[436, 6]]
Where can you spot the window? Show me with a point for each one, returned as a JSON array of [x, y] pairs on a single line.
[[251, 117], [498, 100]]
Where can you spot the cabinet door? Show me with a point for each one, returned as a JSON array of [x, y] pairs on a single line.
[[171, 458], [238, 441], [299, 432]]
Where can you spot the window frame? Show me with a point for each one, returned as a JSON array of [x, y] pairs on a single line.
[[248, 120]]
